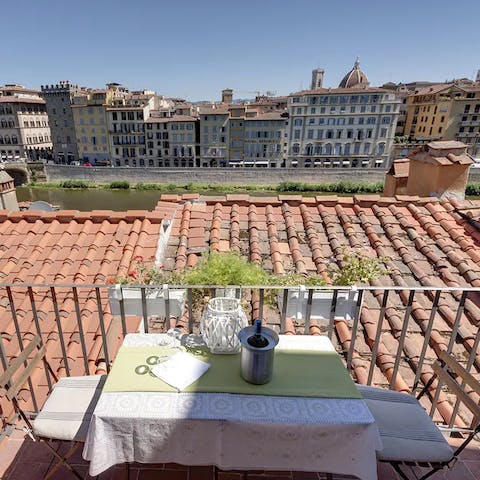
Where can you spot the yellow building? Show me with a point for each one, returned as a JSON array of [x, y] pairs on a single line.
[[90, 119], [447, 111]]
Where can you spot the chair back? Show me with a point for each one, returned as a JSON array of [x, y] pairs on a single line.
[[18, 372], [450, 373]]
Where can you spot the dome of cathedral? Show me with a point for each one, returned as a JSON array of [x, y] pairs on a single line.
[[355, 77]]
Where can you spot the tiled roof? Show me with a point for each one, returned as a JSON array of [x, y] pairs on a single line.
[[174, 118]]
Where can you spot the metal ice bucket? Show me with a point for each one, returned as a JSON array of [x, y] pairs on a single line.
[[258, 345]]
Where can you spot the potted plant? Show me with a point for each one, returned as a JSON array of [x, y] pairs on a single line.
[[357, 268], [128, 289], [223, 317]]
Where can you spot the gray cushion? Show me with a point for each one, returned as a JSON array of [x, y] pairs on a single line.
[[67, 412], [407, 432]]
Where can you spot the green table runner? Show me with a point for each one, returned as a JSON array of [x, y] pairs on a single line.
[[295, 374]]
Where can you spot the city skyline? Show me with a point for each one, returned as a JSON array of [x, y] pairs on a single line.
[[194, 50]]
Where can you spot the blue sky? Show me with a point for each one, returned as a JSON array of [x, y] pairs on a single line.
[[194, 48]]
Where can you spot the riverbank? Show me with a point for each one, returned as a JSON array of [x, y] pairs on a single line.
[[343, 187]]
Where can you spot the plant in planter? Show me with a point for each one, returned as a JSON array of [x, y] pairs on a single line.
[[126, 288], [357, 268], [223, 317]]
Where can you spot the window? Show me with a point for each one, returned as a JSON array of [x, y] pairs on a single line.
[[296, 134], [330, 121], [312, 110], [311, 121], [340, 121], [299, 110], [388, 108], [310, 134], [329, 133], [298, 122]]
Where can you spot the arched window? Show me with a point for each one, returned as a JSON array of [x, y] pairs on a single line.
[[346, 149], [381, 148], [366, 148], [15, 139], [318, 149], [309, 149], [328, 149], [338, 149], [296, 148]]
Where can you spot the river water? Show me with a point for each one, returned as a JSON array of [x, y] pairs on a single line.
[[92, 198]]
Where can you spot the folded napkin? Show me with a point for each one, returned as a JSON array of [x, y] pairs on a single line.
[[181, 370]]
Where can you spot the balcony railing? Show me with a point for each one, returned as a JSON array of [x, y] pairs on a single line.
[[390, 338]]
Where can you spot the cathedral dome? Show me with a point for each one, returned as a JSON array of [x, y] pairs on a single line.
[[355, 77]]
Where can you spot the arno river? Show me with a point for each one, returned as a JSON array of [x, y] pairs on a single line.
[[92, 199]]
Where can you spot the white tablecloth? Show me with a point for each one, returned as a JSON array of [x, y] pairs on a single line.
[[245, 432]]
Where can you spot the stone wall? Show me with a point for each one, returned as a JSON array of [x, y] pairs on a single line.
[[219, 176]]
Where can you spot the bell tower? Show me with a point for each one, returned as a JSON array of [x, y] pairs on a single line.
[[317, 78]]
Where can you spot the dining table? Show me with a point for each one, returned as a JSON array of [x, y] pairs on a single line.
[[309, 417]]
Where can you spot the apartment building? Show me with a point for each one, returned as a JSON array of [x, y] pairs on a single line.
[[58, 100], [214, 135], [24, 130], [265, 143], [448, 111], [90, 119], [126, 127], [349, 126], [173, 140]]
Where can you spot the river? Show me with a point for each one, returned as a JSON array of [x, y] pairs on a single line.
[[92, 198]]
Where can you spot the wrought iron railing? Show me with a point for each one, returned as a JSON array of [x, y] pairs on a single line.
[[389, 338]]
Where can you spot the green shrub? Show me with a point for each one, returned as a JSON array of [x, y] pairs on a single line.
[[73, 184], [473, 189], [225, 269], [119, 185]]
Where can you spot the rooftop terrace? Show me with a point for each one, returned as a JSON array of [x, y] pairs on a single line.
[[55, 267]]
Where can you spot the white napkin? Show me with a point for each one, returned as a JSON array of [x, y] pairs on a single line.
[[180, 370]]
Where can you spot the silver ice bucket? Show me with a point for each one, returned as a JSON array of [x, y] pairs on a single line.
[[258, 345]]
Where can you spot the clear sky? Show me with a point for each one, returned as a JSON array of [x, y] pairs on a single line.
[[194, 48]]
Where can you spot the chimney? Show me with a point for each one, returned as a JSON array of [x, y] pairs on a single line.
[[8, 195], [439, 169], [227, 95], [477, 79]]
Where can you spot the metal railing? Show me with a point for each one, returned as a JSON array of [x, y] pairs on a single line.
[[387, 335]]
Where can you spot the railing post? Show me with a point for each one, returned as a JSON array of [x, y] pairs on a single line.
[[426, 341], [102, 328], [60, 330], [144, 309], [39, 332], [401, 341], [356, 319], [80, 330], [378, 334], [283, 317], [333, 308]]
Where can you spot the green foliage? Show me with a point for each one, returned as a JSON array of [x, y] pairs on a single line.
[[225, 269], [357, 267], [344, 186], [473, 189], [74, 184], [118, 185]]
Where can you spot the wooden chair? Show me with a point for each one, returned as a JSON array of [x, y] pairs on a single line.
[[67, 411], [409, 436]]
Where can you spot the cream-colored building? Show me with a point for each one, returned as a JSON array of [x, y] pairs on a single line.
[[349, 126], [172, 141], [24, 129], [264, 144], [126, 127], [214, 135]]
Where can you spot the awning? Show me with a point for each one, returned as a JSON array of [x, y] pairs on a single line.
[[378, 161]]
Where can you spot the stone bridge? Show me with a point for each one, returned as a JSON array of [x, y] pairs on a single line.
[[24, 172]]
